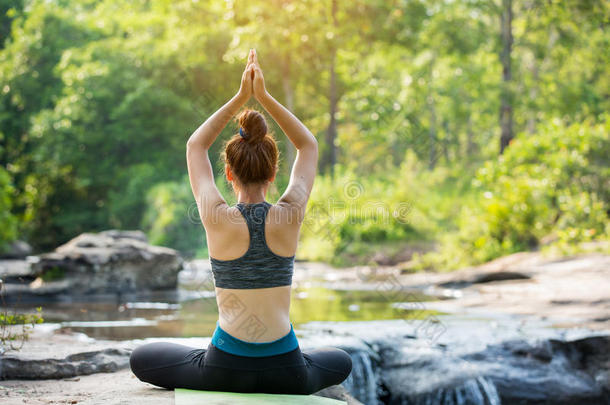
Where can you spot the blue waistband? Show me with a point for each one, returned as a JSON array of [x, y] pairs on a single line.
[[228, 343]]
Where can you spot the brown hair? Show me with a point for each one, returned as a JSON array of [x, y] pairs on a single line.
[[253, 157]]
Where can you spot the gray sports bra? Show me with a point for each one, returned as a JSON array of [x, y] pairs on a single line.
[[259, 267]]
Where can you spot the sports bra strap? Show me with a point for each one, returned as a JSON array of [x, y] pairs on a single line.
[[255, 216]]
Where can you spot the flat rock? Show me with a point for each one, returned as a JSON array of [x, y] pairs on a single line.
[[52, 354], [102, 361], [121, 387]]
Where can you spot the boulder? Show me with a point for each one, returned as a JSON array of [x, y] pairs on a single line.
[[110, 262]]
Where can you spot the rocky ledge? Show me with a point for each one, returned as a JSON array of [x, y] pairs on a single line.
[[469, 360], [74, 368]]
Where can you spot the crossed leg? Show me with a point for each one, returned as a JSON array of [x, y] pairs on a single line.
[[326, 366], [171, 365]]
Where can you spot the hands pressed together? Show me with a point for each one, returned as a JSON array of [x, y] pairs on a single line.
[[252, 80]]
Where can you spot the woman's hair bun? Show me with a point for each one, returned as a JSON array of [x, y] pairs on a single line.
[[252, 155], [253, 124]]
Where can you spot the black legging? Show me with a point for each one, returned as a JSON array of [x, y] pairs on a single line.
[[171, 365]]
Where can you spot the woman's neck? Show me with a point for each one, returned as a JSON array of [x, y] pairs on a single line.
[[247, 198], [251, 193]]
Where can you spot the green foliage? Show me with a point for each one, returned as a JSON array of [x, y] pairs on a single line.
[[98, 99], [8, 222], [349, 216], [53, 274], [16, 328], [172, 219], [553, 181], [8, 11], [553, 185]]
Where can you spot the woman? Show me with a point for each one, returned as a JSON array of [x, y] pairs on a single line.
[[252, 248]]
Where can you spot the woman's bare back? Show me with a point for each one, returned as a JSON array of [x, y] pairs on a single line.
[[260, 314]]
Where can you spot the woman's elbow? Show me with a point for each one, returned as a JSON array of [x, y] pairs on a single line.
[[313, 145], [195, 150], [192, 144]]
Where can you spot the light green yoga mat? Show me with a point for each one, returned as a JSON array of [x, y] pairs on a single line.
[[192, 397]]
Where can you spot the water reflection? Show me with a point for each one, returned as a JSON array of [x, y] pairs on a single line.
[[197, 317]]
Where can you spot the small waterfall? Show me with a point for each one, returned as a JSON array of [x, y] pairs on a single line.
[[475, 391], [489, 389], [362, 382]]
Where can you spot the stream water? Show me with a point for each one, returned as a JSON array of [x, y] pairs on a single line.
[[193, 312]]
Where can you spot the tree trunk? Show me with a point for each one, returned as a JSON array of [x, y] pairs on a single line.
[[331, 133], [446, 141], [535, 70], [432, 134], [470, 145], [506, 109], [289, 98], [533, 95]]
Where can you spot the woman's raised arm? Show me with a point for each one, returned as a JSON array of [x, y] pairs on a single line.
[[306, 162], [199, 166]]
